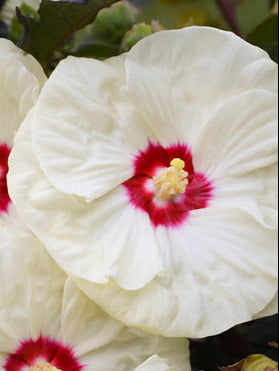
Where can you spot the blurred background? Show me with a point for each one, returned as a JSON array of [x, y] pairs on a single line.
[[179, 13], [254, 20]]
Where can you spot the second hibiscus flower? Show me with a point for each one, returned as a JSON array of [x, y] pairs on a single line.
[[150, 179]]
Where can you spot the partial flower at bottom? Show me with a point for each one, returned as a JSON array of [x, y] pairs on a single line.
[[151, 179], [48, 324], [21, 79]]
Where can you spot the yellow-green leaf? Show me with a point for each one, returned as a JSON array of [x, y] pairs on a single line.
[[258, 362]]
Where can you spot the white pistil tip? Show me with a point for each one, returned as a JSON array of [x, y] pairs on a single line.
[[178, 163]]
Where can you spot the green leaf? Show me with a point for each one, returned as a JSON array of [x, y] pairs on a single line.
[[57, 21], [96, 49], [16, 28], [258, 362], [266, 36]]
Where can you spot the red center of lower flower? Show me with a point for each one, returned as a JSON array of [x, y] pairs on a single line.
[[4, 196], [173, 209], [41, 352]]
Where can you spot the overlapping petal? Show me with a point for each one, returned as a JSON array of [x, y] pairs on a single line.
[[179, 85], [30, 296], [94, 142], [212, 279], [247, 124], [155, 363], [76, 225], [246, 167], [41, 308], [21, 79]]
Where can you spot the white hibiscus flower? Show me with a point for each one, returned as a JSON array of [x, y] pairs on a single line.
[[151, 180], [21, 79], [48, 324]]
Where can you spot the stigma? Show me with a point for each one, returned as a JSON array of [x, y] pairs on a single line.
[[172, 180], [43, 366]]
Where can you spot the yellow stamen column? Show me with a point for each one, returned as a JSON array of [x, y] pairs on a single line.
[[172, 180], [43, 366]]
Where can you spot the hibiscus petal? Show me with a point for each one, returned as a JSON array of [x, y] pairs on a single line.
[[21, 78], [83, 234], [218, 278], [179, 85], [12, 52], [28, 305], [106, 344], [270, 309], [85, 136], [240, 137], [84, 325], [155, 363], [256, 193], [45, 317]]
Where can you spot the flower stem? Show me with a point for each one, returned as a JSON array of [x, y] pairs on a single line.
[[229, 12]]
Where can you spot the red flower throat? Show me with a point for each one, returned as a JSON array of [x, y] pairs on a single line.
[[173, 211]]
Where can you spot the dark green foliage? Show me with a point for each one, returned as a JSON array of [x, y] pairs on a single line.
[[236, 344], [96, 49], [16, 28], [266, 36], [58, 20]]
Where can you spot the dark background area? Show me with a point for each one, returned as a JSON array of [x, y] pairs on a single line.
[[236, 344]]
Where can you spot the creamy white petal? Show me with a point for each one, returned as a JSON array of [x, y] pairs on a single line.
[[180, 84], [12, 52], [105, 344], [85, 325], [156, 363], [270, 309], [19, 91], [21, 79], [85, 132], [86, 239], [214, 279], [118, 64], [37, 299], [239, 153], [11, 225], [240, 138], [30, 295], [256, 193]]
